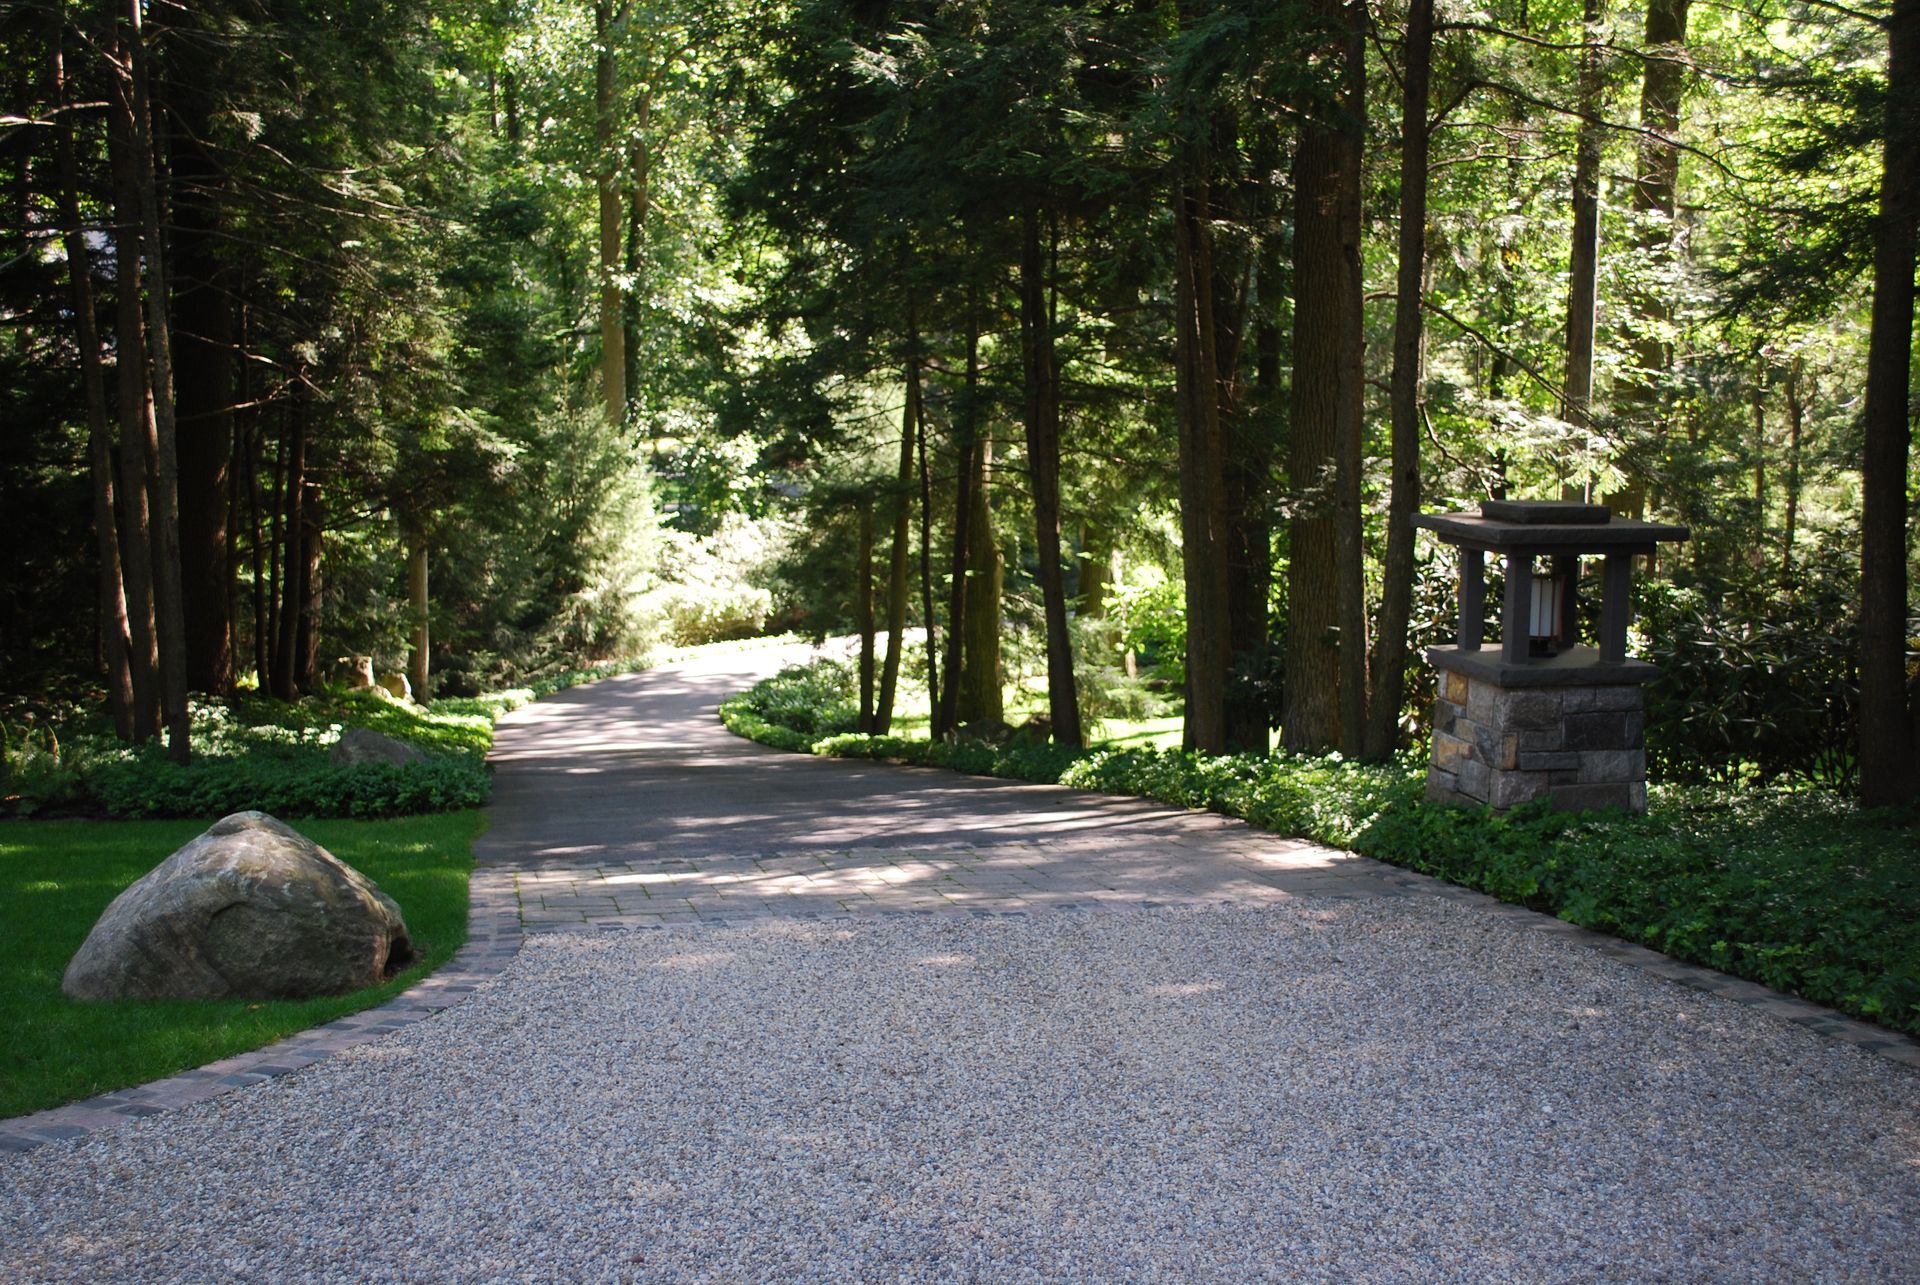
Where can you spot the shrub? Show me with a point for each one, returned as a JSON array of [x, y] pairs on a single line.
[[816, 699], [690, 615], [1760, 692]]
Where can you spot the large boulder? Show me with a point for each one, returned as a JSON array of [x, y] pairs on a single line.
[[363, 745], [250, 908]]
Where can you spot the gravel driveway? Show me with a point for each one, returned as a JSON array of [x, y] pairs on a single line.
[[1307, 1082]]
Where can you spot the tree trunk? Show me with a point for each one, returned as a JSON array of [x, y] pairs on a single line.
[[613, 332], [639, 206], [967, 452], [1043, 459], [982, 686], [1656, 178], [1252, 446], [293, 562], [1323, 540], [313, 517], [926, 558], [1583, 270], [116, 642], [202, 290], [1096, 570], [137, 443], [1796, 419], [419, 668], [1396, 602], [863, 615], [1889, 757], [1203, 516], [168, 597], [1351, 429], [897, 566]]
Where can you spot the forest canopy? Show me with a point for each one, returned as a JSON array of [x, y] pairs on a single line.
[[1114, 345]]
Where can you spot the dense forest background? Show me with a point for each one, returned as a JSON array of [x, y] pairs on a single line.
[[1110, 342]]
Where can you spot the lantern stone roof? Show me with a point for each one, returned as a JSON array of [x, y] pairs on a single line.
[[1547, 527]]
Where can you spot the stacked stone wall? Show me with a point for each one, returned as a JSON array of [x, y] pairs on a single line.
[[1503, 746]]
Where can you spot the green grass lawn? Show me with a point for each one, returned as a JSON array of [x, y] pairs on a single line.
[[57, 876]]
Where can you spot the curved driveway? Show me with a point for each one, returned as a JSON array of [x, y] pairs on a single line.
[[1104, 1041]]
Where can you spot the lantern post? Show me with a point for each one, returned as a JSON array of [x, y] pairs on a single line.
[[1542, 714]]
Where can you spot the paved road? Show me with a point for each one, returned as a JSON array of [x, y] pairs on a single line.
[[625, 802], [777, 1018]]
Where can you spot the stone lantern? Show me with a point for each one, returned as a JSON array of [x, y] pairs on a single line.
[[1540, 713]]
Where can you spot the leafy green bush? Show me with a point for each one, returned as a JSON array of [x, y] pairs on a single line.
[[152, 786], [816, 698], [254, 752], [1798, 891], [1755, 687], [695, 614]]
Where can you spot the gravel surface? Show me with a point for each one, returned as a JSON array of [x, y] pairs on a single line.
[[1369, 1090]]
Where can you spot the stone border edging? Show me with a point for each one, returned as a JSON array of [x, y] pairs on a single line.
[[494, 937]]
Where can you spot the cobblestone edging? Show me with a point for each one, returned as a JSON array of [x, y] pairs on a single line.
[[494, 936]]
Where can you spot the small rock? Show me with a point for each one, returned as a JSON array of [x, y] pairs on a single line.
[[396, 686], [250, 908], [361, 745]]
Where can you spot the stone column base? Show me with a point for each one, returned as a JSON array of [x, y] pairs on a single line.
[[1583, 745]]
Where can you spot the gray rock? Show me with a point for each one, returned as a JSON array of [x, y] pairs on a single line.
[[360, 745], [250, 908]]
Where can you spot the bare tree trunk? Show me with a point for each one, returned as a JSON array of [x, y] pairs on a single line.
[[1351, 431], [1326, 629], [982, 683], [1396, 602], [116, 642], [897, 587], [1311, 721], [1202, 481], [1889, 721], [965, 465], [137, 444], [168, 598], [419, 666], [926, 562], [293, 562], [202, 306], [1096, 569], [276, 549], [1796, 419], [1043, 458], [613, 332], [863, 615], [1656, 179], [1583, 271], [1253, 445], [313, 517], [639, 206]]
